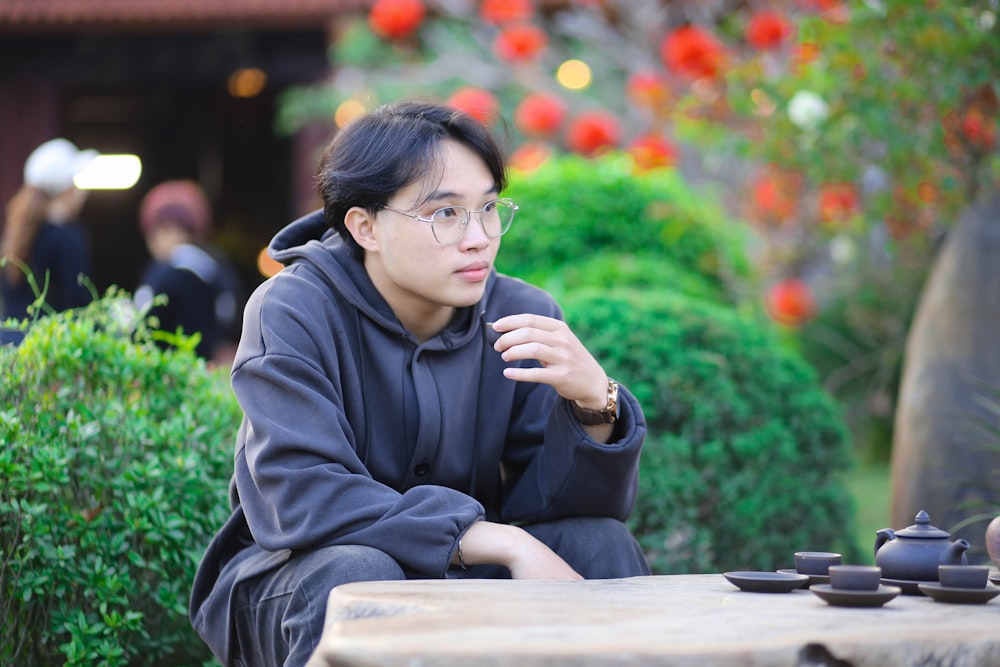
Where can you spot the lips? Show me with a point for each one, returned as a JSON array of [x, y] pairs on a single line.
[[474, 272]]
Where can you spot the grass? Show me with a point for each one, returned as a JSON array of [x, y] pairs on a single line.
[[870, 487]]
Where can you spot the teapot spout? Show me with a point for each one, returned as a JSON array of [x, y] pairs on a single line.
[[955, 553], [883, 536]]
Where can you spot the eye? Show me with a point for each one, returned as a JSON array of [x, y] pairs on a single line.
[[447, 214], [490, 207]]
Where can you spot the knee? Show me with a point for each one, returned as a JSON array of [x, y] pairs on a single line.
[[329, 567], [596, 547]]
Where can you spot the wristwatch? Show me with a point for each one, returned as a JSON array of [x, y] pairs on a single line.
[[609, 415]]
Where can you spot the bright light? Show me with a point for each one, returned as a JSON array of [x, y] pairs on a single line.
[[574, 74], [110, 172], [247, 82], [267, 266], [348, 111]]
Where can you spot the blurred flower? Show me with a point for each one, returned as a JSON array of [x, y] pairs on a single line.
[[805, 53], [841, 249], [505, 11], [652, 151], [692, 53], [837, 202], [807, 110], [647, 88], [593, 132], [767, 29], [790, 302], [520, 42], [396, 19], [539, 115], [775, 195], [479, 103], [529, 156]]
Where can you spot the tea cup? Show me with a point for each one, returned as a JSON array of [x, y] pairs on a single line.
[[963, 576], [815, 562], [855, 577]]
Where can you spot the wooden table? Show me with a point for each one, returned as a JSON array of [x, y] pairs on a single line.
[[659, 620]]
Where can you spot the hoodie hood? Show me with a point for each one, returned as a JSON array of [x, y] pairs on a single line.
[[310, 241]]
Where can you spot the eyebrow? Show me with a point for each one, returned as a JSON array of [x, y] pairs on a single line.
[[445, 194]]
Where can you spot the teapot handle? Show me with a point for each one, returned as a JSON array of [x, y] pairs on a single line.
[[883, 536]]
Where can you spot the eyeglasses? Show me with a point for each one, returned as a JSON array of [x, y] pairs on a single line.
[[448, 224]]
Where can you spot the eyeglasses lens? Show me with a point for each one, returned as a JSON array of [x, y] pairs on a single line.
[[450, 223]]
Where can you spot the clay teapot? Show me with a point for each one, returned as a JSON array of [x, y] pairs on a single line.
[[914, 553]]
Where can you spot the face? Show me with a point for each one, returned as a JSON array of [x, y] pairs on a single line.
[[422, 280]]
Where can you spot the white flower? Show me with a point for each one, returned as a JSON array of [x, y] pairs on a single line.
[[807, 110]]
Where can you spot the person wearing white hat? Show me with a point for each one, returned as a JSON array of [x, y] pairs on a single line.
[[45, 250]]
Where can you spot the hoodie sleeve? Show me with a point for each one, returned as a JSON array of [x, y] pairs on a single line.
[[552, 468], [569, 473], [300, 481]]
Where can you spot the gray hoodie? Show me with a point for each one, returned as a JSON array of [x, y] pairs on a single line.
[[356, 433]]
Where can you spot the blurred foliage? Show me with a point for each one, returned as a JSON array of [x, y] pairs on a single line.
[[742, 465], [115, 469], [574, 210]]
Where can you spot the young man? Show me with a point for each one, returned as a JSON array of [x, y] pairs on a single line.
[[409, 412]]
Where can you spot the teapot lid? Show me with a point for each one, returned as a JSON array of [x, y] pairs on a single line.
[[922, 528]]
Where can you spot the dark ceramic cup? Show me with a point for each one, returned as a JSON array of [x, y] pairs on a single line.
[[855, 577], [963, 576], [815, 562]]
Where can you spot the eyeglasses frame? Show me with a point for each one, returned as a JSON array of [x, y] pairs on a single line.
[[465, 225]]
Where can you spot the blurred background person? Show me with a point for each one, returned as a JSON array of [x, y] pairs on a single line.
[[201, 287], [44, 243]]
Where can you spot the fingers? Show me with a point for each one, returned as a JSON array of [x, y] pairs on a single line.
[[564, 362]]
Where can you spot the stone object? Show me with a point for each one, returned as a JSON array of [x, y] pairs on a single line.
[[941, 458]]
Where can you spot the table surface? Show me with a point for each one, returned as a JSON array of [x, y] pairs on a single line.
[[655, 620]]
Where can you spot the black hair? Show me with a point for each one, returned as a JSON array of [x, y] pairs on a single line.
[[380, 153]]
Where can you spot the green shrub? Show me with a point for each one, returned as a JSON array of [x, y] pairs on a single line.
[[742, 463], [115, 464], [573, 208]]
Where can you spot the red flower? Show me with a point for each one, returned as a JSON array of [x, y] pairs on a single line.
[[520, 42], [478, 103], [790, 302], [648, 89], [505, 11], [593, 132], [979, 130], [837, 202], [530, 156], [540, 115], [692, 52], [396, 19], [767, 30], [651, 151], [775, 196]]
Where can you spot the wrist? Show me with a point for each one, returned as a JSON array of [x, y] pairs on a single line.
[[606, 413]]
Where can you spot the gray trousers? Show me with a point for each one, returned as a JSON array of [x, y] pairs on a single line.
[[279, 617]]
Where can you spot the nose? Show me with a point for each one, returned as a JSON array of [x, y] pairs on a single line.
[[475, 233]]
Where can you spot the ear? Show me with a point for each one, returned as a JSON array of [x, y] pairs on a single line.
[[361, 225]]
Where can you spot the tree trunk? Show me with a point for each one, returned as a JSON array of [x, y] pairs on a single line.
[[943, 460]]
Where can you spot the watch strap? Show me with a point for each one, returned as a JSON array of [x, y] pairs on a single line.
[[609, 415]]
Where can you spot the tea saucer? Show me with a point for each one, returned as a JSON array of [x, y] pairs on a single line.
[[840, 597], [813, 578], [995, 578], [766, 582], [908, 586], [939, 593]]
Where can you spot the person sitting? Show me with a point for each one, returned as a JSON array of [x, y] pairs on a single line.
[[409, 412]]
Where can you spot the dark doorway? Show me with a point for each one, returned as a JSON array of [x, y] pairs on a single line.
[[164, 97]]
